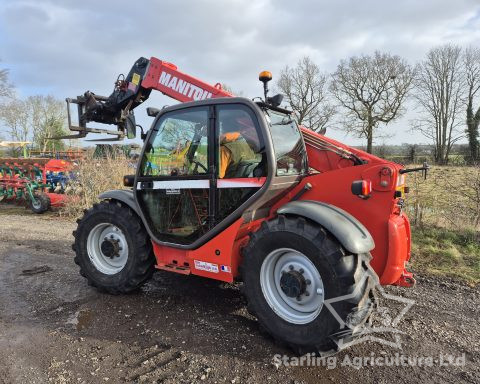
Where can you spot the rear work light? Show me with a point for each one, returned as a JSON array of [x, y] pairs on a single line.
[[362, 188], [401, 189]]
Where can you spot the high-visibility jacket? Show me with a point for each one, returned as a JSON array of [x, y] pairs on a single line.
[[233, 150]]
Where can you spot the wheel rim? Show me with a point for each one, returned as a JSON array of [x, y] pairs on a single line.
[[36, 203], [292, 286], [107, 248]]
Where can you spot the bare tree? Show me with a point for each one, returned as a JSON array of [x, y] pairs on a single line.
[[372, 89], [16, 119], [471, 61], [305, 88], [6, 88], [439, 86], [6, 92], [228, 88], [38, 119], [48, 117]]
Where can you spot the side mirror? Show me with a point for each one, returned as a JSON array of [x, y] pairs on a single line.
[[152, 112], [323, 131], [275, 100], [131, 126]]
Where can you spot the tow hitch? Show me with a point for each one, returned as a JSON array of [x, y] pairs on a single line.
[[406, 280], [424, 169]]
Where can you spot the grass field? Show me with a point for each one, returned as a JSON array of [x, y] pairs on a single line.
[[445, 212], [446, 252], [448, 198]]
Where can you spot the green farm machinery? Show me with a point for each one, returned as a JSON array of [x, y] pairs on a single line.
[[37, 182]]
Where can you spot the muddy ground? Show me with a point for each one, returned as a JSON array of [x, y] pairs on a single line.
[[56, 329]]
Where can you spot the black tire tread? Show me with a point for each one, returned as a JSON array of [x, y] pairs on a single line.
[[349, 269], [144, 260]]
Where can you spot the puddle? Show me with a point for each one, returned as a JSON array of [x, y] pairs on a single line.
[[81, 319]]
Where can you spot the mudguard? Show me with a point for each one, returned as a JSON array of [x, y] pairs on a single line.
[[346, 228], [123, 195]]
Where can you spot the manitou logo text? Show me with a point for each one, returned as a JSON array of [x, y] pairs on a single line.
[[184, 87]]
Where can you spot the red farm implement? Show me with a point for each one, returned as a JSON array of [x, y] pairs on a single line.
[[39, 183]]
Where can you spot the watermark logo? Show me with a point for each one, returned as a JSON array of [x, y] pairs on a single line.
[[372, 360], [382, 326]]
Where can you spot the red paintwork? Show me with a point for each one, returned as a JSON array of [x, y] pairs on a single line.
[[153, 77], [380, 214], [217, 251], [57, 165], [241, 182], [406, 280], [331, 182], [57, 199]]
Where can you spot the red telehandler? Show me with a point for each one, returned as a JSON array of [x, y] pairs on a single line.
[[234, 190]]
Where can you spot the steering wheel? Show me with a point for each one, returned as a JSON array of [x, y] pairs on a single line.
[[198, 164]]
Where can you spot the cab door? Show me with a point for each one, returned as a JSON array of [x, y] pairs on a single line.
[[174, 182], [241, 160]]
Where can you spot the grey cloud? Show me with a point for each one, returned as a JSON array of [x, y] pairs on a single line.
[[68, 47]]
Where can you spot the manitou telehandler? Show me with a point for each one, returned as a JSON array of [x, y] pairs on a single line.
[[234, 190]]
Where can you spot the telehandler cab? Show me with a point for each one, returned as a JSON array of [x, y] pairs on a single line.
[[234, 190]]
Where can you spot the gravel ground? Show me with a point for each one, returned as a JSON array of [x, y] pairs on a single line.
[[54, 328]]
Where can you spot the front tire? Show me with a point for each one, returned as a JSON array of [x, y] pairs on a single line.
[[292, 268], [112, 248]]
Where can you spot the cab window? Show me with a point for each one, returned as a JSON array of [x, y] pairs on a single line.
[[175, 200], [241, 148], [179, 145], [288, 144]]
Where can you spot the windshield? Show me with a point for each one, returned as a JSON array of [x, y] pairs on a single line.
[[288, 144]]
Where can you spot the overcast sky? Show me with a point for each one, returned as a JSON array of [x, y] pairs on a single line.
[[66, 47]]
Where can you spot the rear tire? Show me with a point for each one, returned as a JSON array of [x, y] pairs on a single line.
[[41, 203], [112, 248], [315, 263]]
